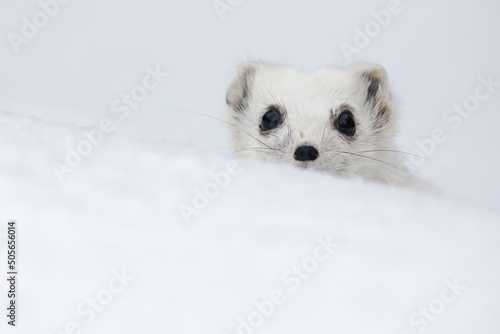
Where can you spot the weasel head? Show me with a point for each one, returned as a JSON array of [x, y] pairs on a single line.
[[335, 120]]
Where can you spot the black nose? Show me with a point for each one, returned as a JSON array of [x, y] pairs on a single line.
[[306, 153]]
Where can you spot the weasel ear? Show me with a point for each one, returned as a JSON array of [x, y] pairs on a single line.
[[374, 82], [239, 90]]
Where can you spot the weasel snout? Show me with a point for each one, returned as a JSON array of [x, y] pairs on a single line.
[[306, 153]]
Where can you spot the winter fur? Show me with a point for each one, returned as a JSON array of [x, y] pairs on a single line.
[[310, 104]]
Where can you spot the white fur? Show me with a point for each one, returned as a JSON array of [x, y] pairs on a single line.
[[308, 99]]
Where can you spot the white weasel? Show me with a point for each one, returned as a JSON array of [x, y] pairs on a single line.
[[341, 121]]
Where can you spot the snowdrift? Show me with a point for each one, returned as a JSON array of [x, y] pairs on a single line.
[[144, 236]]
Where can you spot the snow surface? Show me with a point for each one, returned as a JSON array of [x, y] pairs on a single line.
[[396, 250], [120, 210]]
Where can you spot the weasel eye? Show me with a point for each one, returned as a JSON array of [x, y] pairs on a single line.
[[271, 119], [346, 124]]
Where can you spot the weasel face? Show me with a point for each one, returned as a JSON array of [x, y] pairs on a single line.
[[333, 120]]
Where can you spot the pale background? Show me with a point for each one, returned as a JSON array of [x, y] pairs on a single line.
[[119, 209]]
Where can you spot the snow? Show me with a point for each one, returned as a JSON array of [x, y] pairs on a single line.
[[162, 230]]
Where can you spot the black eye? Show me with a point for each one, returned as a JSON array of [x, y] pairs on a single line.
[[346, 124], [271, 119]]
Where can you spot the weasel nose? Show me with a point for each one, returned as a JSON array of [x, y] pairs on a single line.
[[306, 153]]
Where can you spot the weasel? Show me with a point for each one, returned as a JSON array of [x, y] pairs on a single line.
[[341, 121]]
